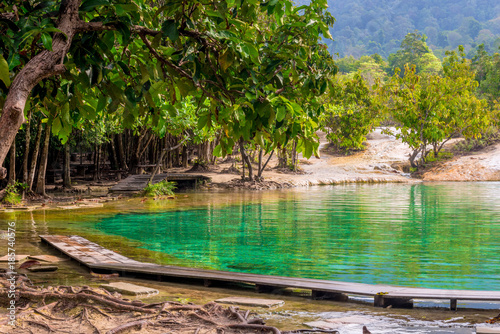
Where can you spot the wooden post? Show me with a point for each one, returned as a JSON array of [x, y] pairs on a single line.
[[383, 301], [264, 288], [378, 301], [337, 296], [453, 304]]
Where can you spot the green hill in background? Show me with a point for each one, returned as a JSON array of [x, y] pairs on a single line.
[[365, 27]]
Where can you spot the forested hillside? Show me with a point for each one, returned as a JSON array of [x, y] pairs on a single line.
[[377, 26]]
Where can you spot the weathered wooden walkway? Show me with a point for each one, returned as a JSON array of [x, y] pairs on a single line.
[[136, 183], [100, 259]]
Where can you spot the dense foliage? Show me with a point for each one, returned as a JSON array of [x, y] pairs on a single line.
[[351, 113], [254, 70], [431, 109]]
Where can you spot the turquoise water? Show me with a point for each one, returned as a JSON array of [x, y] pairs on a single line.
[[427, 235]]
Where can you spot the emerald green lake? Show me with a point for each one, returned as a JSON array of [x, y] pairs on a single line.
[[428, 235]]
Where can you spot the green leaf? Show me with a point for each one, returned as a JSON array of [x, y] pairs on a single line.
[[169, 29], [124, 30], [252, 51], [156, 41], [226, 59], [144, 73], [124, 67], [56, 126], [308, 149], [65, 113], [326, 33], [89, 5], [4, 71], [131, 96], [218, 151], [281, 113], [12, 26], [101, 103], [203, 121]]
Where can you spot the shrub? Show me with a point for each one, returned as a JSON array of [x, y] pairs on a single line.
[[476, 144], [13, 193], [351, 115], [163, 188], [440, 157]]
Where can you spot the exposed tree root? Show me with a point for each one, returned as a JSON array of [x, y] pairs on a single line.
[[66, 308], [126, 326]]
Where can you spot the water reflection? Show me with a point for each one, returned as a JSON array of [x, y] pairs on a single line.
[[437, 235], [433, 235]]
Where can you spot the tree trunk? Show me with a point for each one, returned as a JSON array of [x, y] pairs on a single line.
[[113, 158], [34, 156], [40, 184], [261, 168], [121, 152], [413, 156], [294, 156], [97, 160], [26, 154], [67, 167], [282, 158], [12, 163], [185, 156], [139, 150], [246, 159], [44, 65], [160, 159]]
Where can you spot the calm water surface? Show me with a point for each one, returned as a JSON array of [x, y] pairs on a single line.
[[428, 235]]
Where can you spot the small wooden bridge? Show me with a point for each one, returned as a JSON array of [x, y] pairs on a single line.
[[137, 183], [102, 260]]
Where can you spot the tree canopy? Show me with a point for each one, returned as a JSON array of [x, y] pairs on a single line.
[[254, 68], [431, 109]]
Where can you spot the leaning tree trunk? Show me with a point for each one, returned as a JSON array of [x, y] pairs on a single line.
[[44, 65], [12, 163], [40, 184], [34, 156], [263, 166], [160, 159]]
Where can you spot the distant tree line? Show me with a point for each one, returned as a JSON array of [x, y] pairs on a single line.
[[426, 101], [365, 27]]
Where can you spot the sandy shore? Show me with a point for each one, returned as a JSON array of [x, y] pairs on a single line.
[[384, 160]]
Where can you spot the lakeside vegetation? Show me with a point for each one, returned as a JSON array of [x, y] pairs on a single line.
[[118, 87]]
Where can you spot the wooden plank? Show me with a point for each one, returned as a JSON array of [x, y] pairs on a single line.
[[99, 258], [136, 183], [84, 251]]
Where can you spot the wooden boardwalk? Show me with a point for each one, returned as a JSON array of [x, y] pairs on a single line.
[[137, 183], [100, 259]]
